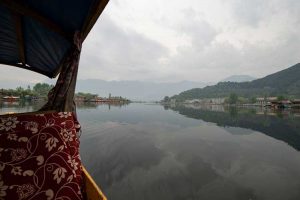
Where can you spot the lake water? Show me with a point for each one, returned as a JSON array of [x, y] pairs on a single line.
[[149, 151]]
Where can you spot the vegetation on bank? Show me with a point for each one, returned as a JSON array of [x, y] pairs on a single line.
[[285, 128], [88, 97], [41, 90], [232, 99], [284, 83], [38, 90]]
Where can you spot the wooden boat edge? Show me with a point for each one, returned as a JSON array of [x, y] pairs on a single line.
[[93, 192]]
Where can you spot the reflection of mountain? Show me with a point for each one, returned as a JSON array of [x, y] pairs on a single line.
[[145, 152], [286, 129]]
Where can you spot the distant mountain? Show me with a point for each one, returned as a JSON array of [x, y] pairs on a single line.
[[285, 82], [135, 90], [238, 78]]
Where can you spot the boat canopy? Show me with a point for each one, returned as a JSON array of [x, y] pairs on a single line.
[[38, 35]]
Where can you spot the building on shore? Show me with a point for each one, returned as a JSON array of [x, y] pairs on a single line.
[[274, 102], [265, 100], [79, 98], [213, 101], [217, 101], [296, 101], [260, 100], [173, 101]]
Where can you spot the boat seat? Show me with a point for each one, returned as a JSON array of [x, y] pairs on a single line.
[[39, 156]]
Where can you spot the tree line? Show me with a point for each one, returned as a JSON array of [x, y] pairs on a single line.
[[38, 90]]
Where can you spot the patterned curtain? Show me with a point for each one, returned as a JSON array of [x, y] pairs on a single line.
[[61, 97]]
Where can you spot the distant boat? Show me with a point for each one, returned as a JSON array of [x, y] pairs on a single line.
[[11, 98]]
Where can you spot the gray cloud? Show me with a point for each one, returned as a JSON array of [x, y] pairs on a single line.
[[197, 41], [264, 52], [200, 31], [250, 12], [120, 53]]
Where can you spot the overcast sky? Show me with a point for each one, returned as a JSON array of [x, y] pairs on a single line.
[[197, 40]]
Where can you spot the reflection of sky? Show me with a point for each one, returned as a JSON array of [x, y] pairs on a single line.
[[238, 131], [133, 114], [146, 152]]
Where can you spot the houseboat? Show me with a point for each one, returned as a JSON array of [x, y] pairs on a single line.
[[11, 98]]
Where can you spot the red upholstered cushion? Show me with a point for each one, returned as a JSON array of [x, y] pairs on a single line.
[[39, 157]]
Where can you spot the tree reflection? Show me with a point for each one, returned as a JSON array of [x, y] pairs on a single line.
[[281, 125]]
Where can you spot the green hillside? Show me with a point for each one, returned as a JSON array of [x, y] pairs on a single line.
[[282, 83]]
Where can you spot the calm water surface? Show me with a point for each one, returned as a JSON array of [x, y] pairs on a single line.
[[147, 151]]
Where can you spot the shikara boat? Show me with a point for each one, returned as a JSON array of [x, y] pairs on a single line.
[[39, 151]]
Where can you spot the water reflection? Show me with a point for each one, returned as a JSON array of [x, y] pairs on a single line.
[[144, 152], [92, 105], [280, 124], [152, 152], [29, 106], [19, 106]]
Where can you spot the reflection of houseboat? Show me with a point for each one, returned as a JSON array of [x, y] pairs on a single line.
[[11, 103], [11, 98]]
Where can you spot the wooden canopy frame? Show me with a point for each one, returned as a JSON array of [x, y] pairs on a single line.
[[19, 9]]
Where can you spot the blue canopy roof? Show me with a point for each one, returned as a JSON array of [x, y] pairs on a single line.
[[37, 35]]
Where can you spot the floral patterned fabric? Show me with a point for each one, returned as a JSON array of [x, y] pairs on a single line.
[[39, 157]]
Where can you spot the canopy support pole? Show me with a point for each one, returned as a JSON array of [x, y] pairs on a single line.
[[61, 97]]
